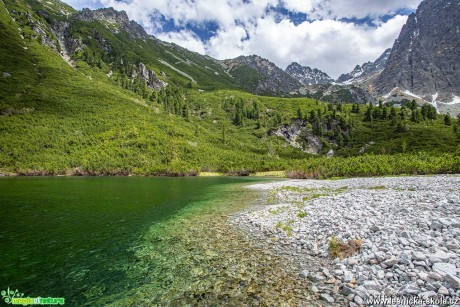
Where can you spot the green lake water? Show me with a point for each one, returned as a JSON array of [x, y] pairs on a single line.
[[101, 240]]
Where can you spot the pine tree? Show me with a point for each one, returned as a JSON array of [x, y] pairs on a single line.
[[255, 111], [376, 113], [319, 128], [400, 127], [312, 116], [340, 140], [447, 120], [299, 113], [368, 115], [384, 113], [402, 114], [185, 112], [392, 113]]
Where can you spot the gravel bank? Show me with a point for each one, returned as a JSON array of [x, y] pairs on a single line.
[[409, 227]]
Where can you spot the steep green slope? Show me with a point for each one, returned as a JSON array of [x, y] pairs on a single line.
[[55, 119], [60, 119]]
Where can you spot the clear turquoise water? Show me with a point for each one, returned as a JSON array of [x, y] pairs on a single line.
[[73, 237]]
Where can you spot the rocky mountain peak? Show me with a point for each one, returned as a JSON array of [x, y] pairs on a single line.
[[425, 58], [109, 15], [113, 17], [307, 75], [367, 71], [261, 76]]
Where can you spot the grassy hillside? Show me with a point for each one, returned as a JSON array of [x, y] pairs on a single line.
[[59, 119]]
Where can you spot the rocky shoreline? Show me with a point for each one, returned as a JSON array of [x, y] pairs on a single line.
[[409, 228]]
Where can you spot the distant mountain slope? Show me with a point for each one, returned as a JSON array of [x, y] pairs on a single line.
[[425, 59], [107, 40], [260, 76], [367, 72], [85, 94], [338, 93], [307, 75]]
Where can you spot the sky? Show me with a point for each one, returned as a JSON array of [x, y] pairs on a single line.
[[331, 35]]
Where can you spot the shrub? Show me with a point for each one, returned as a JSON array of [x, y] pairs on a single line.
[[340, 249]]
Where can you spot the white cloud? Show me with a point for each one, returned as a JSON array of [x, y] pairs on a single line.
[[186, 39], [79, 4], [305, 6], [247, 27], [330, 45], [363, 8]]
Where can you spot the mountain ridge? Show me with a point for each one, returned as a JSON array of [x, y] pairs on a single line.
[[425, 57], [261, 76], [366, 72], [307, 75]]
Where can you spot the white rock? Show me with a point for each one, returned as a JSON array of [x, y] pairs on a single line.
[[445, 268], [453, 280]]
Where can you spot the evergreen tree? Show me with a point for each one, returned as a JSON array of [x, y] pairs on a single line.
[[368, 115], [312, 116], [384, 113], [403, 114], [425, 111], [412, 116], [418, 115], [392, 115], [413, 105], [299, 113], [400, 126], [376, 113], [340, 140], [432, 113], [255, 111], [185, 112], [447, 120]]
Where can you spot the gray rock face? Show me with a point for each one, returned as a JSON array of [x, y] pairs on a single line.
[[367, 71], [425, 59], [297, 133], [338, 92], [111, 16], [260, 76], [306, 75], [150, 78]]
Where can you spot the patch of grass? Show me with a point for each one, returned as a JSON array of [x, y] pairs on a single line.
[[302, 214], [313, 196], [379, 187], [288, 230], [285, 227], [340, 190], [275, 211], [297, 189], [340, 249]]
